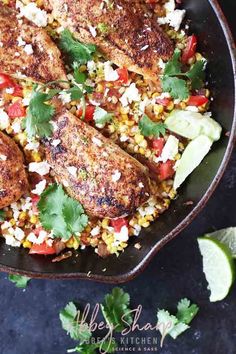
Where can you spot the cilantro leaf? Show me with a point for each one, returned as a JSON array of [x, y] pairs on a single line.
[[76, 51], [75, 92], [176, 87], [70, 322], [148, 127], [115, 309], [2, 215], [101, 116], [197, 75], [178, 83], [79, 77], [20, 281], [173, 66], [175, 325], [186, 312], [60, 213], [71, 210], [37, 121]]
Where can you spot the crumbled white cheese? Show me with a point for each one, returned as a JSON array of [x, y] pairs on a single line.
[[170, 149], [130, 95], [4, 120], [93, 31], [32, 145], [96, 141], [91, 66], [19, 234], [55, 142], [21, 42], [192, 109], [116, 176], [3, 157], [137, 229], [39, 188], [10, 90], [123, 235], [170, 6], [124, 138], [141, 185], [174, 19], [26, 101], [95, 231], [1, 44], [109, 73], [65, 97], [32, 237], [72, 170], [17, 54], [33, 13], [42, 168], [16, 126], [11, 241], [161, 64], [28, 49]]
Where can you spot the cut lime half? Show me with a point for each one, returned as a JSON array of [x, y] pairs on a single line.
[[218, 267], [226, 236]]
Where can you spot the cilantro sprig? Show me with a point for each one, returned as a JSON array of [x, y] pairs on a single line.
[[115, 309], [175, 325], [75, 51], [20, 281], [61, 214], [179, 83], [149, 128]]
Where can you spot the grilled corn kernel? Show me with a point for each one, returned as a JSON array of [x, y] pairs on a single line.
[[143, 144], [141, 151], [23, 216], [170, 106], [100, 88], [145, 224], [27, 244], [182, 105], [12, 222], [36, 156], [198, 56], [158, 108], [33, 219], [70, 243], [138, 138], [207, 94], [83, 68], [130, 123], [105, 223]]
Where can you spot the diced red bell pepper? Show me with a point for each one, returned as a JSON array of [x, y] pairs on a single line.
[[118, 223], [166, 170], [163, 101], [197, 100], [123, 75], [16, 110], [190, 49], [89, 112], [157, 145], [35, 199], [18, 92], [5, 81], [43, 248]]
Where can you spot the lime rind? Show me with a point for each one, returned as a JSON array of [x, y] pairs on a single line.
[[218, 267], [227, 237]]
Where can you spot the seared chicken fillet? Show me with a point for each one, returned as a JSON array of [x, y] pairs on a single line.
[[98, 173], [27, 51], [13, 179], [125, 31]]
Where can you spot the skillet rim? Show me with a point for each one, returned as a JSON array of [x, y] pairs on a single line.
[[118, 279]]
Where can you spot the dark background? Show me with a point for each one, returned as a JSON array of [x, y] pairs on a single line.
[[29, 318]]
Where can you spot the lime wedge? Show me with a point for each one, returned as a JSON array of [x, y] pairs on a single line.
[[192, 156], [226, 236], [218, 267]]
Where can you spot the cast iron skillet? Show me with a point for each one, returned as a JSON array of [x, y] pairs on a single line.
[[216, 43]]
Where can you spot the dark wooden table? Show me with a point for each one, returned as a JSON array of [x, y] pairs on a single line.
[[29, 319]]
